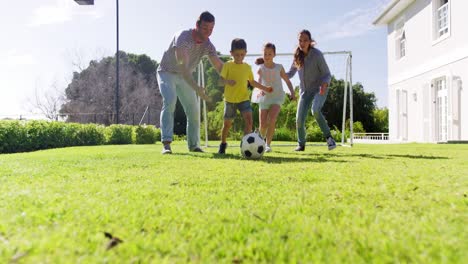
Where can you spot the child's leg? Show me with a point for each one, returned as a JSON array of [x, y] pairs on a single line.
[[230, 112], [263, 121], [272, 115], [226, 126], [246, 111], [248, 121]]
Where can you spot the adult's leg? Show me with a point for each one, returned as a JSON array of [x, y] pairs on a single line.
[[167, 87], [190, 103], [317, 104], [303, 106], [272, 115]]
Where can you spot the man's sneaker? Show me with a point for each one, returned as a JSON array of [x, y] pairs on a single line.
[[299, 148], [267, 148], [197, 149], [222, 148], [166, 149], [331, 143]]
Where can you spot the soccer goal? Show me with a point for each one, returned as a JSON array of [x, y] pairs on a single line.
[[340, 65]]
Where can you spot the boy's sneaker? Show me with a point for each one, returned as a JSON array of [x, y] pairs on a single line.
[[331, 143], [222, 148], [267, 148], [166, 149], [299, 148], [197, 149]]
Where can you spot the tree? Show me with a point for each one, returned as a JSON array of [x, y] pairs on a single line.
[[363, 105], [91, 93], [381, 119], [48, 104]]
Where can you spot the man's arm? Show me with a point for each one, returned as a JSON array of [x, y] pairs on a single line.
[[216, 62], [182, 62]]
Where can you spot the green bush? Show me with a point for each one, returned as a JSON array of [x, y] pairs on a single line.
[[314, 133], [284, 134], [146, 135], [119, 134], [13, 137], [90, 135]]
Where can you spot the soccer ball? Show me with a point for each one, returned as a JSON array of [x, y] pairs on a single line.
[[252, 146]]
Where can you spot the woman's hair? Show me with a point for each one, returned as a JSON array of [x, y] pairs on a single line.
[[268, 45], [299, 54]]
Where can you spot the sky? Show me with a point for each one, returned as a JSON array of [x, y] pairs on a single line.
[[43, 42]]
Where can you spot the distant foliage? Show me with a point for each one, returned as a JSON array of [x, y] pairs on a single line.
[[381, 120], [90, 97], [23, 136]]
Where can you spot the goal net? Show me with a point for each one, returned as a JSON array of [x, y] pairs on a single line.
[[340, 65]]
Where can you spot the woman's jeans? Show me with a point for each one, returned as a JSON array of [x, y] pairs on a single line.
[[173, 85], [307, 100]]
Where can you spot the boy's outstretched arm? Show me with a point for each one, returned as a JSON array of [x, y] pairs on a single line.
[[223, 82], [255, 84]]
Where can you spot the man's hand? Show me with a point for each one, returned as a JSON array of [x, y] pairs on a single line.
[[202, 94]]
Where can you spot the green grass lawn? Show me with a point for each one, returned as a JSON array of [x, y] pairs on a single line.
[[366, 204]]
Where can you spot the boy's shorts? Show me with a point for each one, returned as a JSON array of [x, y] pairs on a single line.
[[230, 109]]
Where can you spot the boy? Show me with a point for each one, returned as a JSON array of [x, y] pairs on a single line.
[[236, 75]]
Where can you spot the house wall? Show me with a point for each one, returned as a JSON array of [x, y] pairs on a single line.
[[427, 59]]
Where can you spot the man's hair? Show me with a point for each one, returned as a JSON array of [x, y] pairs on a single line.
[[206, 17], [238, 44]]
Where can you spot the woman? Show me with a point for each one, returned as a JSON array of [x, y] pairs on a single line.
[[314, 77]]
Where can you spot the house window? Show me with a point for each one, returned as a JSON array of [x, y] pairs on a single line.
[[400, 39], [441, 18], [402, 45]]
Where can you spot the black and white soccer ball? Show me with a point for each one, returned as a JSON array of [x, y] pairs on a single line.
[[252, 146]]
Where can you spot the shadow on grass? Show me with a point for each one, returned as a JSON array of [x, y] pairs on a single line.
[[389, 156], [267, 159]]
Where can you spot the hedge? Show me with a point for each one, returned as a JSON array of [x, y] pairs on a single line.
[[23, 136]]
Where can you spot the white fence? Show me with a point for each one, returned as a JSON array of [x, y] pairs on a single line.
[[370, 138]]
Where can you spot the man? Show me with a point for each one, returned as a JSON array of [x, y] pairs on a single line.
[[175, 79]]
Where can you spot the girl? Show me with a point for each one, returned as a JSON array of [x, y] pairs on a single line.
[[270, 74]]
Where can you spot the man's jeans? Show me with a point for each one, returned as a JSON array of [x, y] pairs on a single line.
[[306, 101], [173, 85]]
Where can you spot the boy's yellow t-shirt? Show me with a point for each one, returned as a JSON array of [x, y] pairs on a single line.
[[241, 73]]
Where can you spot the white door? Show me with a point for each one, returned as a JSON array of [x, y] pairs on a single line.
[[404, 115], [441, 109]]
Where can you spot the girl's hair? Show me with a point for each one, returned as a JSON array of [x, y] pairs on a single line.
[[299, 54], [268, 45]]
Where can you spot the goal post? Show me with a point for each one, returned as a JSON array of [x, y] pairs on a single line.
[[340, 65]]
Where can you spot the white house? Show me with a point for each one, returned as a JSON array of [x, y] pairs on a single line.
[[427, 69]]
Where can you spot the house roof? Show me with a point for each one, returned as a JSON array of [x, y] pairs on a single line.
[[393, 9]]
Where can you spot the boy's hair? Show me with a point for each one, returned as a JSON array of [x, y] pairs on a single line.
[[206, 17], [238, 44]]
